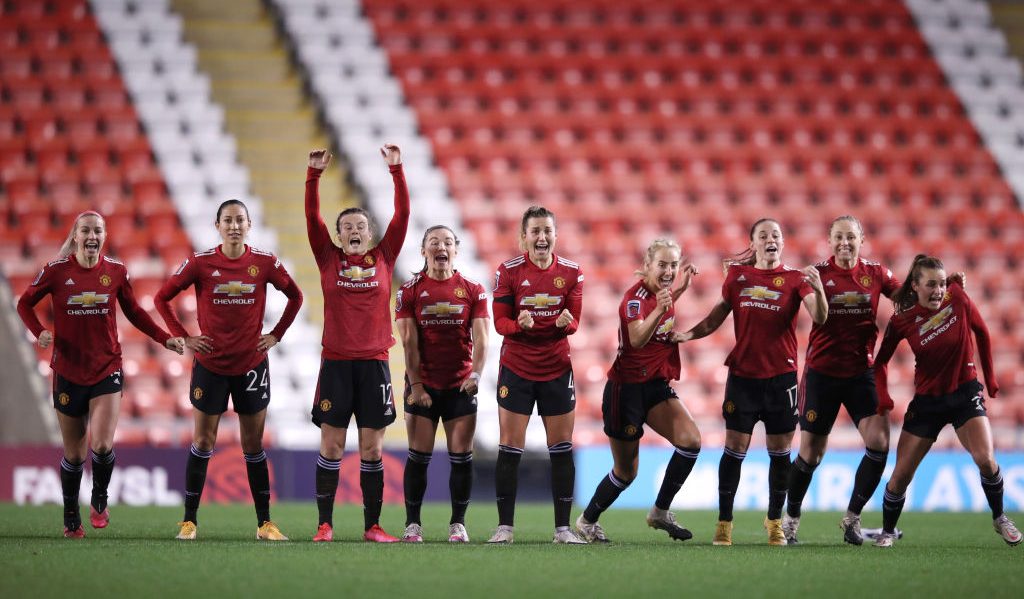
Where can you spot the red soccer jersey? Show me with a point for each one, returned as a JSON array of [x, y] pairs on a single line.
[[444, 313], [231, 295], [356, 287], [85, 345], [659, 359], [942, 345], [541, 353], [844, 345], [764, 304]]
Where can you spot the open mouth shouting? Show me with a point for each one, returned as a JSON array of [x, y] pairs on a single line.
[[92, 246]]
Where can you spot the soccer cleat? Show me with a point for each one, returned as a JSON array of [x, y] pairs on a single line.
[[413, 534], [324, 534], [723, 534], [851, 529], [872, 533], [590, 532], [99, 519], [1008, 530], [78, 533], [789, 527], [187, 532], [885, 539], [567, 537], [457, 533], [502, 536], [376, 534], [269, 532], [775, 535], [666, 520]]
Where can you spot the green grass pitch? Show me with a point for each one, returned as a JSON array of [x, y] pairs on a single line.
[[942, 555]]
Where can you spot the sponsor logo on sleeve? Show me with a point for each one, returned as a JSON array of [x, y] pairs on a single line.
[[632, 308]]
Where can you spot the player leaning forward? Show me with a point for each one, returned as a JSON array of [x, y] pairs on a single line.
[[354, 376]]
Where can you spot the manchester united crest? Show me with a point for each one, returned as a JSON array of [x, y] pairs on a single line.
[[460, 293], [197, 393], [63, 399], [630, 430], [811, 415], [559, 282], [729, 407], [254, 270], [368, 259], [865, 281], [325, 405], [503, 392], [778, 281], [105, 280]]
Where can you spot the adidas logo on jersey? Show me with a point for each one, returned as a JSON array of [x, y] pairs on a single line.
[[918, 319], [215, 273], [741, 278], [525, 283], [830, 283], [424, 294], [69, 282]]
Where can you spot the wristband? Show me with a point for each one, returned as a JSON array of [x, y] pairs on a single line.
[[474, 376]]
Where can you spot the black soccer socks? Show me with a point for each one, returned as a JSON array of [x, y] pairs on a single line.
[[892, 507], [414, 483], [800, 474], [195, 479], [993, 487], [326, 487], [563, 481], [608, 490], [259, 484], [679, 467], [71, 485], [869, 474], [778, 476], [102, 469], [728, 481], [460, 484], [371, 481], [506, 480]]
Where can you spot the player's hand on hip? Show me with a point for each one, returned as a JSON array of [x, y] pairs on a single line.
[[525, 320], [176, 345], [45, 339], [420, 397], [392, 154], [200, 344], [471, 384], [266, 342], [319, 159]]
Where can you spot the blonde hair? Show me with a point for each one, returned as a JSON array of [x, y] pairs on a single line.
[[69, 246], [657, 244]]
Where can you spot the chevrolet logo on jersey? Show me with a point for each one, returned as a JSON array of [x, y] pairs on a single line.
[[936, 321], [88, 299], [666, 327], [541, 300], [234, 288], [358, 273], [760, 293], [442, 309], [850, 299]]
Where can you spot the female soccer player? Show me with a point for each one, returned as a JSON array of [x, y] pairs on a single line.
[[838, 372], [86, 361], [354, 376], [638, 392], [230, 354], [766, 296], [443, 321], [937, 321], [538, 297]]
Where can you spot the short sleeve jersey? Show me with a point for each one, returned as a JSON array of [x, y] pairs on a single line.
[[444, 313], [765, 304], [659, 358], [844, 345]]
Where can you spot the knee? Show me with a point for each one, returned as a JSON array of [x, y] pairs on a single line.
[[252, 445], [688, 439], [102, 447], [987, 466], [204, 442], [370, 453], [626, 473]]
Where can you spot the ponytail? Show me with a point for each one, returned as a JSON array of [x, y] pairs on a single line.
[[423, 244], [905, 297], [747, 257]]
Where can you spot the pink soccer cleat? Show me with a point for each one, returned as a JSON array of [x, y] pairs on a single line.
[[324, 534], [99, 519], [376, 534], [78, 533]]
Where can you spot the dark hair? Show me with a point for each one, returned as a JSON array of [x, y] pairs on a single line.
[[353, 210], [847, 217], [535, 212], [232, 202], [748, 257], [423, 242], [905, 297]]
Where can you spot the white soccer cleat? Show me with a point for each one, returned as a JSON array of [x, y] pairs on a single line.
[[1008, 530], [413, 534], [885, 539], [457, 533], [666, 520], [851, 529], [502, 536], [567, 537], [590, 532], [790, 526]]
